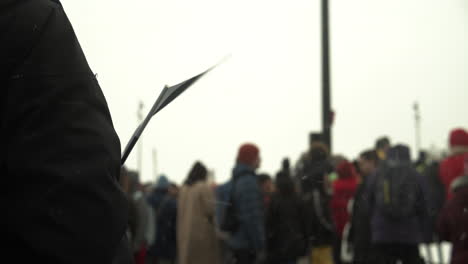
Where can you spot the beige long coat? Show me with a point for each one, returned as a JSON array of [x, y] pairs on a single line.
[[196, 236]]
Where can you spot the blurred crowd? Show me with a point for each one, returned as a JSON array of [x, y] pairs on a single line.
[[381, 207]]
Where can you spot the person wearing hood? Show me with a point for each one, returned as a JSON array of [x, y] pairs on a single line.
[[453, 221], [247, 240], [164, 205], [452, 167], [344, 189], [398, 208], [60, 153]]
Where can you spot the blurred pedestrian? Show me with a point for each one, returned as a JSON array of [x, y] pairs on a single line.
[[398, 206], [452, 167], [244, 217], [360, 236], [344, 189], [196, 230], [316, 193], [453, 222], [164, 204], [286, 230]]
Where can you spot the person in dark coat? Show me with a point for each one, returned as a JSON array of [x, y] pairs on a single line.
[[248, 241], [286, 233], [60, 153], [453, 221], [164, 205], [360, 236], [315, 191], [398, 208]]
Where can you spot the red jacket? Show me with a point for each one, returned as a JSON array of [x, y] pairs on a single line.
[[343, 192], [450, 169], [453, 222]]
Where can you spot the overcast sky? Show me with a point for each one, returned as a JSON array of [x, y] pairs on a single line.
[[386, 54]]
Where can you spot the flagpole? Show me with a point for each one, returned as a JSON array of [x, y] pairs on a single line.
[[155, 165]]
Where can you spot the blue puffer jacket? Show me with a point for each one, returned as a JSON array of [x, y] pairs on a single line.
[[249, 208], [222, 195]]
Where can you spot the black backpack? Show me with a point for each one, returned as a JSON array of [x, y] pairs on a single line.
[[397, 190]]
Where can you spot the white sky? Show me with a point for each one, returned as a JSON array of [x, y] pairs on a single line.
[[386, 54]]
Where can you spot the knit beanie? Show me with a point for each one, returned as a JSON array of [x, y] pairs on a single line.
[[248, 154], [458, 138]]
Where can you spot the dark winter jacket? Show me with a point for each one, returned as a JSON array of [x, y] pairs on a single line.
[[285, 229], [60, 157], [316, 198], [436, 200], [360, 236], [165, 208], [453, 222], [403, 230], [249, 208], [222, 195]]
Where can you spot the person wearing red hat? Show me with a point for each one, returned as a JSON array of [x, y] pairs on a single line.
[[452, 167], [247, 239]]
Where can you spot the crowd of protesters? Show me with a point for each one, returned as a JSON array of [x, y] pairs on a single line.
[[378, 208], [66, 200]]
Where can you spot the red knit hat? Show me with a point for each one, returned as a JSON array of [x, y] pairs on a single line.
[[248, 154], [458, 137], [346, 170]]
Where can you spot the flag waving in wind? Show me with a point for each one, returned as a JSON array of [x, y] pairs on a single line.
[[167, 95]]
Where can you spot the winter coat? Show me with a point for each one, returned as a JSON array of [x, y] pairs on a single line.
[[196, 231], [222, 198], [316, 198], [165, 238], [407, 230], [285, 229], [450, 169], [453, 221], [436, 199], [165, 244], [344, 189], [360, 236], [60, 155], [320, 227], [250, 211]]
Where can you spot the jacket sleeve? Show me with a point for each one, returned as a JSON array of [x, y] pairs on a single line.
[[61, 158], [251, 211]]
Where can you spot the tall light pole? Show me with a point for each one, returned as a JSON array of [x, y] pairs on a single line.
[[326, 80], [417, 126], [155, 165], [140, 146]]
